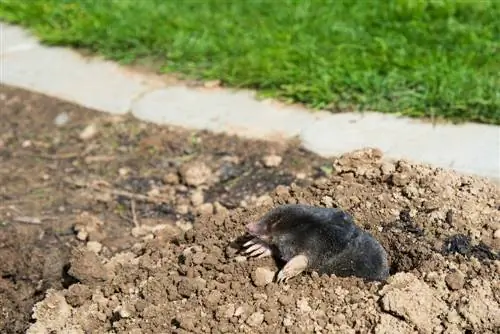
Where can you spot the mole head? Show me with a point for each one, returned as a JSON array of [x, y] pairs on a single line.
[[268, 226]]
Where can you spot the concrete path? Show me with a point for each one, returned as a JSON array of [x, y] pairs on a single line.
[[105, 86]]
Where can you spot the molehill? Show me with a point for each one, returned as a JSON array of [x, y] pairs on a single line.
[[437, 226]]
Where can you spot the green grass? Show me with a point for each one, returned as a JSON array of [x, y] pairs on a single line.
[[412, 57]]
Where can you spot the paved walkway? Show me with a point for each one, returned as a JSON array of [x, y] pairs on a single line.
[[105, 86]]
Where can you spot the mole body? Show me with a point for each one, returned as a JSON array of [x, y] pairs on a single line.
[[325, 240]]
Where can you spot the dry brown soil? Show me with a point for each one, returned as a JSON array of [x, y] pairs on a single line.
[[108, 224]]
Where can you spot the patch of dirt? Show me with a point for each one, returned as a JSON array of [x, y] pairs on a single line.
[[154, 233], [70, 177]]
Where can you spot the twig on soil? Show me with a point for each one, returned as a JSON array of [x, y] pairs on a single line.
[[62, 156], [101, 185], [134, 214], [99, 158], [28, 220]]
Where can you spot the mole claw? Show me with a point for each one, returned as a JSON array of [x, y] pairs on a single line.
[[281, 277], [252, 248], [267, 252], [258, 251], [249, 243]]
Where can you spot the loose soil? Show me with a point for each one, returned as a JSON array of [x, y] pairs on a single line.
[[108, 224]]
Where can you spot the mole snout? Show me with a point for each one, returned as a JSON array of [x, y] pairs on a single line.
[[255, 229], [309, 238]]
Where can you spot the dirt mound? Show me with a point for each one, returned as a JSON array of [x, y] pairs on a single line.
[[438, 227]]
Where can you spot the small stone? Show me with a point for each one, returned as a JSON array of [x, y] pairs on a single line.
[[387, 168], [140, 231], [61, 119], [82, 235], [213, 299], [271, 316], [400, 179], [255, 319], [262, 276], [94, 246], [185, 226], [212, 84], [197, 198], [285, 300], [272, 160], [195, 174], [187, 286], [89, 132], [192, 250], [220, 209], [327, 201], [496, 234], [182, 209], [166, 231], [26, 143], [303, 305], [240, 258], [239, 311], [206, 209], [124, 171], [288, 322], [455, 280], [199, 257], [264, 200], [229, 312], [171, 178], [301, 176], [122, 312], [154, 192]]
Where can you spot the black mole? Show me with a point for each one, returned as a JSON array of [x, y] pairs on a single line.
[[325, 240]]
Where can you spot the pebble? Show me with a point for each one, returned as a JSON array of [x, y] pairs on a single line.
[[94, 246], [124, 171], [240, 258], [327, 201], [82, 235], [239, 311], [185, 226], [303, 305], [262, 276], [301, 176], [182, 209], [171, 178], [400, 179], [140, 231], [387, 168], [89, 132], [220, 209], [198, 258], [255, 319], [229, 312], [61, 119], [264, 200], [195, 174], [272, 160], [122, 312], [496, 234], [455, 280], [288, 322], [197, 198], [206, 209]]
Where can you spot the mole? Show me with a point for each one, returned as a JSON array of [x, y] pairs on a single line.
[[325, 240]]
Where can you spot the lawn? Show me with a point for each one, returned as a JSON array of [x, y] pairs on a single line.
[[438, 59]]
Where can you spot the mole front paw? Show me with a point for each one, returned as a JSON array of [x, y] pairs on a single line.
[[256, 248], [292, 268]]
